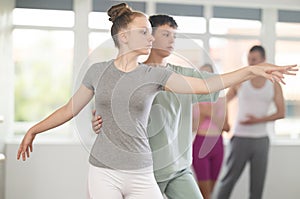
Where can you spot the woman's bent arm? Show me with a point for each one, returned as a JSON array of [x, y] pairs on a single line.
[[57, 118]]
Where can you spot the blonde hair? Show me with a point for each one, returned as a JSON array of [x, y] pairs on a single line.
[[121, 15]]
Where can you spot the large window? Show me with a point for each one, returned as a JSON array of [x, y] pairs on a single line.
[[43, 44], [43, 47]]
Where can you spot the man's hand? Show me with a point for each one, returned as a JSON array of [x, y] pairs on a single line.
[[96, 122]]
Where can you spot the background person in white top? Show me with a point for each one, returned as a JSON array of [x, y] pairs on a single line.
[[250, 141]]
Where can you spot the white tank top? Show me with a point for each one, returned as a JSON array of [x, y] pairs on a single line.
[[256, 102]]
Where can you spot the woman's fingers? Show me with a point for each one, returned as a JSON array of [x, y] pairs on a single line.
[[278, 77], [277, 73], [279, 80], [19, 153], [24, 151], [275, 77], [290, 70], [287, 70], [23, 156], [27, 152]]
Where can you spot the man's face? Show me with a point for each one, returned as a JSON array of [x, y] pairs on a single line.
[[255, 58], [164, 40]]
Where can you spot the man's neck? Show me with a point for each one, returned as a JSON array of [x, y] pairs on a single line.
[[155, 60]]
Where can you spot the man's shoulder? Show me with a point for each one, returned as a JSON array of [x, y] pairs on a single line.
[[190, 71], [182, 70]]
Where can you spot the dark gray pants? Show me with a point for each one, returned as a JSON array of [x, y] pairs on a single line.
[[243, 150]]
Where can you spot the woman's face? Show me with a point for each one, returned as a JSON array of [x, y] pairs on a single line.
[[138, 36]]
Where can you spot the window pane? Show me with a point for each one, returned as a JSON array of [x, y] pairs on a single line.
[[288, 29], [43, 65], [99, 20], [101, 46], [191, 24], [287, 52], [97, 38], [230, 54], [35, 17], [188, 52], [234, 26]]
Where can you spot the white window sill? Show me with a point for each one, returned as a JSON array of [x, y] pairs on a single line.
[[277, 141], [42, 139]]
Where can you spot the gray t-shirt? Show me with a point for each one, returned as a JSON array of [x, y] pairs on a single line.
[[123, 99]]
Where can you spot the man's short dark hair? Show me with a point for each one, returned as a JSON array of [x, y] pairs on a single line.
[[259, 49], [160, 20]]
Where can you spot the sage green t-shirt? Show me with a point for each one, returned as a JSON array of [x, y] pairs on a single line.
[[170, 127]]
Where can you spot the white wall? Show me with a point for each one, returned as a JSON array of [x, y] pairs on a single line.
[[60, 171], [54, 171]]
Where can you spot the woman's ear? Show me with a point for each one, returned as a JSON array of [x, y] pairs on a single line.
[[123, 37]]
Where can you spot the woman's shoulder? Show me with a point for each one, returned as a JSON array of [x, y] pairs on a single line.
[[103, 64], [98, 67]]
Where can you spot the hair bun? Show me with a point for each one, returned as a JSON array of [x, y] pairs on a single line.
[[118, 10]]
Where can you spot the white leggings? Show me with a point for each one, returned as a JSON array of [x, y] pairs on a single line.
[[106, 183]]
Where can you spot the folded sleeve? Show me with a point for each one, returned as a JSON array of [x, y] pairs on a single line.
[[193, 72], [159, 76]]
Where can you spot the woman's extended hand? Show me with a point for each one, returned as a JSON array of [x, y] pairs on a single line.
[[273, 72], [26, 146]]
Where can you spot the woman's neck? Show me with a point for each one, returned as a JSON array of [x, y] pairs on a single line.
[[126, 62]]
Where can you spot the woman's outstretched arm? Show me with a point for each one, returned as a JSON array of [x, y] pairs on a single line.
[[57, 118], [183, 84]]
